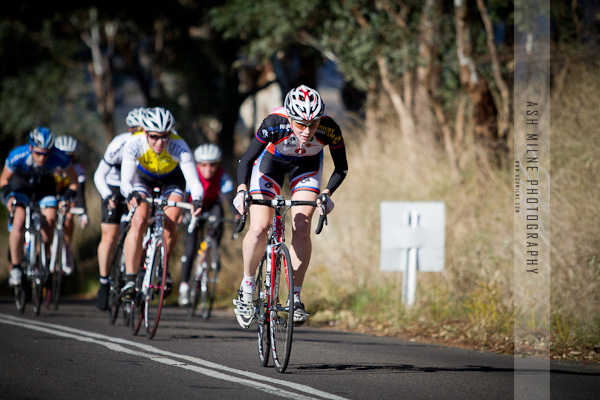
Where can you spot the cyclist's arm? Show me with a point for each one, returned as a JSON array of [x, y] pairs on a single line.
[[190, 173], [128, 166], [245, 165], [100, 179], [227, 191], [340, 168], [4, 184]]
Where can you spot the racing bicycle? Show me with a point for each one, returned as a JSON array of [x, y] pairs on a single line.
[[274, 294], [34, 263], [59, 254], [151, 280], [203, 282]]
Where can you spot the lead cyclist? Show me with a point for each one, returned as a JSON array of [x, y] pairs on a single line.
[[289, 141]]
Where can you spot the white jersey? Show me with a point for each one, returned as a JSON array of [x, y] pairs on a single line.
[[108, 172]]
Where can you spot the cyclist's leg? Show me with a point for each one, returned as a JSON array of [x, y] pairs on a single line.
[[172, 215], [48, 207], [133, 241], [17, 235]]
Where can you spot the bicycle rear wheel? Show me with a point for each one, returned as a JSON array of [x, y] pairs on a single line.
[[208, 286], [115, 284], [281, 309], [156, 289], [264, 341]]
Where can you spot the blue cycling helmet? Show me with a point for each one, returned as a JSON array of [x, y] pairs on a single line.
[[41, 137]]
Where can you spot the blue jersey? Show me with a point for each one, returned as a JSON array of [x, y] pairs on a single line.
[[20, 161]]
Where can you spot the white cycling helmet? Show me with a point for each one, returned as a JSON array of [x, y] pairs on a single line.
[[304, 104], [157, 119], [134, 118], [68, 144], [208, 153]]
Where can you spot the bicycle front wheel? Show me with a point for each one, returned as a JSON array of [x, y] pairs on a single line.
[[21, 295], [281, 308], [136, 306], [208, 286], [57, 275], [156, 290], [117, 267], [37, 279]]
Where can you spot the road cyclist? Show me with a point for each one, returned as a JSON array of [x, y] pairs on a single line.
[[274, 305], [27, 178], [69, 145], [289, 141], [156, 157], [218, 189]]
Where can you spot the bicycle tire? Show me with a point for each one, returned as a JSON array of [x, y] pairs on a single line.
[[194, 291], [263, 336], [57, 275], [21, 295], [208, 286], [37, 280], [155, 295], [115, 285], [281, 309], [137, 304]]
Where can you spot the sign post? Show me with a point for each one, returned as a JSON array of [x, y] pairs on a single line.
[[412, 239]]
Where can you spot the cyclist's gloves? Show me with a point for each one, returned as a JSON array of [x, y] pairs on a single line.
[[196, 204], [134, 195], [84, 221], [69, 195], [238, 201], [328, 203], [6, 194]]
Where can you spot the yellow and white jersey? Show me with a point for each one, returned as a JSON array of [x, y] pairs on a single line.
[[138, 156]]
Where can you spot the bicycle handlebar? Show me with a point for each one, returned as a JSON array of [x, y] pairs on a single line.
[[280, 202], [181, 204]]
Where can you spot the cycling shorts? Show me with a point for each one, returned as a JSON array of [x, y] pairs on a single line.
[[113, 216], [268, 174], [173, 183]]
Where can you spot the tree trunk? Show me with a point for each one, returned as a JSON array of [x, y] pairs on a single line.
[[484, 108], [101, 72]]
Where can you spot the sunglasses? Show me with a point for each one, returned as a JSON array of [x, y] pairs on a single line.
[[164, 138], [41, 153], [301, 125]]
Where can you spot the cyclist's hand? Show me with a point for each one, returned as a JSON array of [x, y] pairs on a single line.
[[84, 221], [328, 204], [239, 200], [69, 195], [111, 203], [10, 205], [134, 199], [197, 204]]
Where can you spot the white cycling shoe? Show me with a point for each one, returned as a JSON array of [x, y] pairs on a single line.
[[15, 277], [244, 311]]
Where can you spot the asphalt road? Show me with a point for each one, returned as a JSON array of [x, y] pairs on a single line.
[[73, 353]]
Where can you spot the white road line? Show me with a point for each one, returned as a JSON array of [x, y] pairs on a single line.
[[150, 352]]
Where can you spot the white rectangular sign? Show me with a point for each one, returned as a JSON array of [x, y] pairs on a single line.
[[412, 225]]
